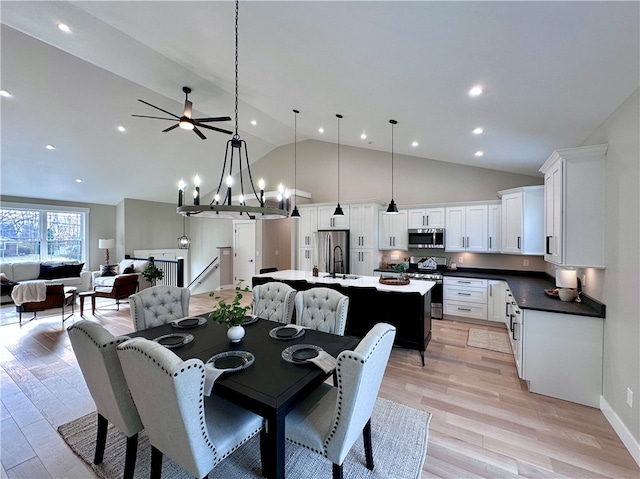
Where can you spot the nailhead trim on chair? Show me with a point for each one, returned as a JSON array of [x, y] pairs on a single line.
[[116, 340], [203, 428]]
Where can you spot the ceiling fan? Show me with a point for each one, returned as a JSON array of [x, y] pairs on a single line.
[[185, 121]]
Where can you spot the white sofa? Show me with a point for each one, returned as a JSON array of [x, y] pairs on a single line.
[[30, 271], [126, 266]]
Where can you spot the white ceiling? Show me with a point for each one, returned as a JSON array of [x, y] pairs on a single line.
[[552, 72]]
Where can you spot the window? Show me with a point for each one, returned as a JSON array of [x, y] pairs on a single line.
[[42, 233]]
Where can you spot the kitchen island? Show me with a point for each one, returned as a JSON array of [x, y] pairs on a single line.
[[407, 307]]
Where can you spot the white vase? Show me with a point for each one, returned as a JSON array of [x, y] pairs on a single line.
[[235, 333]]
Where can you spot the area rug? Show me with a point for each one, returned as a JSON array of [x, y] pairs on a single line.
[[491, 340], [399, 437]]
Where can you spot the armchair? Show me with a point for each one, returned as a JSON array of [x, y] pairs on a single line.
[[274, 301], [323, 309], [57, 297], [123, 286], [158, 305]]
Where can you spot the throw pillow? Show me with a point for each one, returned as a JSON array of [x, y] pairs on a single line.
[[108, 270], [129, 270], [59, 271], [4, 278]]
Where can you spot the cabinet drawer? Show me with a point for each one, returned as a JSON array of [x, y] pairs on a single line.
[[465, 294], [478, 283], [467, 310]]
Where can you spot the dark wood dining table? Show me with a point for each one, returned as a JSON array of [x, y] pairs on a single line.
[[271, 386]]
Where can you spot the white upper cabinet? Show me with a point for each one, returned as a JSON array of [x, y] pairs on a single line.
[[307, 224], [494, 228], [425, 218], [466, 228], [363, 219], [574, 206], [326, 220], [392, 231], [522, 220]]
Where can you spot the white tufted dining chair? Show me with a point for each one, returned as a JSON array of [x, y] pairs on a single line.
[[158, 305], [95, 350], [274, 301], [323, 309], [195, 431], [330, 420]]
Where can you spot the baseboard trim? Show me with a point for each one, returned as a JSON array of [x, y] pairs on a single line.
[[630, 442]]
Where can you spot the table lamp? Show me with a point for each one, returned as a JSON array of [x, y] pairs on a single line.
[[566, 282], [106, 244]]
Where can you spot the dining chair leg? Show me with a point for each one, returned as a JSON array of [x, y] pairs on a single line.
[[130, 457], [337, 471], [368, 450], [101, 439], [156, 463]]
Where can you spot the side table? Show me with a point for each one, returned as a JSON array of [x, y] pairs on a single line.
[[82, 296]]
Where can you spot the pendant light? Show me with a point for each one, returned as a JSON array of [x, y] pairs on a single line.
[[184, 241], [392, 208], [338, 211], [222, 207], [295, 213]]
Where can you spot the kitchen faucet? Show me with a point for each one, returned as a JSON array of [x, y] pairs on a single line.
[[336, 261]]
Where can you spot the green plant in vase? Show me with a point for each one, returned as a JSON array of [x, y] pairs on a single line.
[[401, 269], [152, 273], [230, 313]]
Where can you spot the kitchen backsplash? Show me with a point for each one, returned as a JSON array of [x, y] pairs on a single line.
[[475, 260]]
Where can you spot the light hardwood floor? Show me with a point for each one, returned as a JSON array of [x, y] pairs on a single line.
[[485, 423]]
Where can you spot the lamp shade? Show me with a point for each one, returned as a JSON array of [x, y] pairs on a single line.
[[566, 278], [106, 243]]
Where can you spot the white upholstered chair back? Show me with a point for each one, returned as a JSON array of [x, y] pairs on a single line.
[[274, 301], [158, 305], [168, 393], [359, 373], [323, 309], [95, 350]]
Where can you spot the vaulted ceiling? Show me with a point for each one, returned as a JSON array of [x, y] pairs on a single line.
[[551, 73]]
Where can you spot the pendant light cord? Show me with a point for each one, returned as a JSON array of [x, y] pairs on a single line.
[[339, 117], [236, 136], [295, 153], [392, 124]]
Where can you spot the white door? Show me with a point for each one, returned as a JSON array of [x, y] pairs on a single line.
[[244, 251]]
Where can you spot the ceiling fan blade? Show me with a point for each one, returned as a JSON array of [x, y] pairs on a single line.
[[155, 117], [187, 108], [217, 118], [213, 128], [170, 128], [199, 133], [158, 108]]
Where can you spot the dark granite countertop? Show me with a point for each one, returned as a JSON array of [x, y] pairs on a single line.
[[528, 291]]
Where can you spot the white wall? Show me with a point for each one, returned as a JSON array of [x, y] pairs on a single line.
[[619, 282]]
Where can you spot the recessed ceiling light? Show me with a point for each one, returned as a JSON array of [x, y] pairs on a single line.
[[478, 131], [122, 128], [320, 130], [5, 93], [479, 153], [78, 180], [64, 27], [50, 147], [475, 91], [254, 123], [414, 144], [363, 136]]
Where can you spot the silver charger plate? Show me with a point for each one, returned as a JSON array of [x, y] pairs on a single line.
[[232, 361], [304, 350], [188, 323], [274, 333], [174, 340], [249, 319]]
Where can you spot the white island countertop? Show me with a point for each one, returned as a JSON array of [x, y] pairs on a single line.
[[415, 286]]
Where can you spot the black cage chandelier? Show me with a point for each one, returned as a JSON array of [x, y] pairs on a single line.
[[222, 207]]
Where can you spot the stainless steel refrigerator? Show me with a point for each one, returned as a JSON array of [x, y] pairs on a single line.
[[332, 251]]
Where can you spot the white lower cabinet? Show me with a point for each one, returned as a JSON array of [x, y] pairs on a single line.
[[465, 297], [363, 262], [496, 301], [562, 355]]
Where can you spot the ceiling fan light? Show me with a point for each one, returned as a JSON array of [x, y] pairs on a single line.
[[186, 125]]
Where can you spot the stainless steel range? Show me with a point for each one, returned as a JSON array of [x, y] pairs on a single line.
[[430, 269]]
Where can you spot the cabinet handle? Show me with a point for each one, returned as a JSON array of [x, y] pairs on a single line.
[[548, 244], [514, 332], [390, 241], [506, 309], [511, 322], [427, 220], [489, 242], [463, 282], [490, 290], [464, 294], [467, 241], [464, 309], [518, 242]]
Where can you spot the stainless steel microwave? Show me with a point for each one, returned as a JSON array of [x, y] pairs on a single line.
[[426, 238]]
